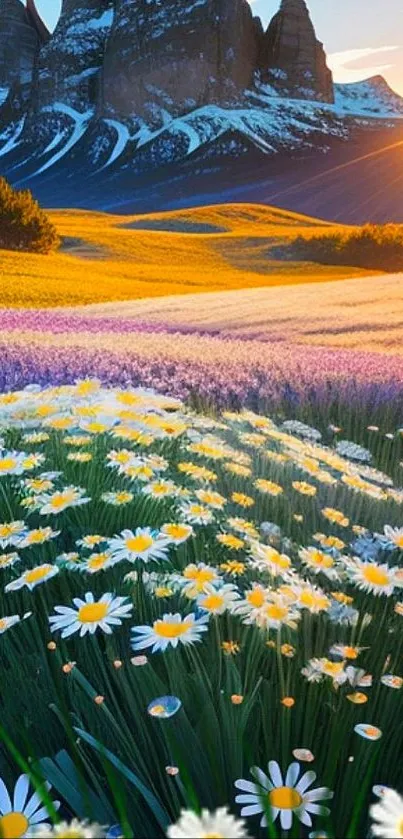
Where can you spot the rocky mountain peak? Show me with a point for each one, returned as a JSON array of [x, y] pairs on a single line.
[[292, 59], [177, 54]]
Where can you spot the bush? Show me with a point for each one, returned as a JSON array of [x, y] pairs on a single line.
[[374, 246], [23, 225]]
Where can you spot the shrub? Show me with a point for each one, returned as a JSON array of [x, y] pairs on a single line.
[[372, 246], [24, 226]]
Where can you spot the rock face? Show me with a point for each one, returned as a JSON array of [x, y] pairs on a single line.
[[20, 40], [70, 64], [176, 55], [292, 59]]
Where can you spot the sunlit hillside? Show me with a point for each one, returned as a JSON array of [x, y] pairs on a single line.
[[105, 257]]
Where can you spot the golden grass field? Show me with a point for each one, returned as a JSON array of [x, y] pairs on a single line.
[[356, 314], [106, 258]]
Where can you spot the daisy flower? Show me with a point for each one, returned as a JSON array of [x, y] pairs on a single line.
[[71, 560], [345, 651], [197, 579], [394, 536], [253, 602], [218, 601], [268, 487], [177, 533], [69, 830], [266, 558], [38, 536], [79, 457], [12, 463], [242, 500], [335, 516], [33, 577], [318, 668], [91, 540], [286, 798], [371, 577], [246, 528], [7, 622], [24, 811], [313, 599], [219, 823], [160, 489], [197, 514], [367, 731], [117, 499], [170, 630], [97, 562], [276, 614], [39, 484], [233, 567], [8, 560], [387, 815], [304, 488], [331, 543], [59, 501], [11, 533], [238, 469], [145, 544], [90, 615], [230, 541], [318, 562], [391, 681], [212, 499]]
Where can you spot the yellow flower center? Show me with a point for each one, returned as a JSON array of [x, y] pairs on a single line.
[[399, 542], [37, 536], [60, 500], [371, 731], [7, 530], [375, 575], [38, 573], [350, 652], [333, 668], [98, 561], [203, 575], [176, 531], [214, 836], [213, 601], [276, 613], [7, 463], [285, 798], [400, 828], [322, 559], [92, 612], [13, 825], [256, 598], [170, 630], [139, 544], [3, 625]]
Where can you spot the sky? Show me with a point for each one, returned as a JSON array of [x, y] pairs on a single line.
[[362, 37]]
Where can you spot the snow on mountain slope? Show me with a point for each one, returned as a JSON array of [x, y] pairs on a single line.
[[372, 98], [72, 137]]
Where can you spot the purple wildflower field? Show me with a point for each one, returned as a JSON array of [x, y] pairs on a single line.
[[60, 347]]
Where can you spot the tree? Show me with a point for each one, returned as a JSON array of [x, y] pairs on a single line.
[[24, 226]]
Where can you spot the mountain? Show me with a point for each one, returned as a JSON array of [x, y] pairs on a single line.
[[133, 98]]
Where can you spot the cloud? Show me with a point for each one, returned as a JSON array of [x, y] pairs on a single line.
[[355, 65]]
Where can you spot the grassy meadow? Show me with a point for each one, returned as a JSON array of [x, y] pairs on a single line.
[[105, 257], [197, 613], [201, 541]]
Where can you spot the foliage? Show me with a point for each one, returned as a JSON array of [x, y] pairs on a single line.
[[275, 491], [23, 225], [374, 246]]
